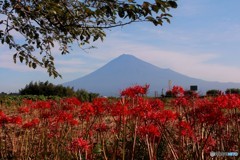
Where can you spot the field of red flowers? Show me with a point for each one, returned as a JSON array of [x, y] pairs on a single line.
[[133, 127]]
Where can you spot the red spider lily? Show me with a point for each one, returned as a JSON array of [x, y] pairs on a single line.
[[4, 119], [203, 102], [167, 115], [2, 114], [74, 122], [186, 129], [79, 144], [53, 128], [181, 101], [42, 105], [229, 101], [119, 110], [68, 107], [191, 130], [233, 101], [221, 101], [46, 115], [209, 143], [70, 103], [177, 91], [141, 108], [208, 114], [64, 116], [86, 110], [160, 117], [135, 90], [27, 102], [150, 130], [15, 120], [24, 110], [31, 124], [99, 105], [11, 120], [156, 104], [101, 127]]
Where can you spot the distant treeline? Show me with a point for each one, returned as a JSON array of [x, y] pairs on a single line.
[[49, 89], [212, 92], [215, 92], [46, 89]]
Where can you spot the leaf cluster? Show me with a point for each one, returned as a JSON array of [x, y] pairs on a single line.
[[48, 24], [49, 89], [46, 89], [232, 91], [213, 92]]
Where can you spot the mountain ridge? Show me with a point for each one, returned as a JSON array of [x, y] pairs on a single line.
[[127, 70]]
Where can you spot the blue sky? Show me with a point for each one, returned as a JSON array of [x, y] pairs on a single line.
[[202, 41]]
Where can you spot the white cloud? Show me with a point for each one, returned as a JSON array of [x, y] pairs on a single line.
[[192, 64]]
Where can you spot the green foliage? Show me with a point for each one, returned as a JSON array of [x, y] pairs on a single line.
[[47, 23], [85, 96], [47, 89], [12, 100], [233, 91], [213, 92]]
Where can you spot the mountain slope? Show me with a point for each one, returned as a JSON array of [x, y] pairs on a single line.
[[127, 70]]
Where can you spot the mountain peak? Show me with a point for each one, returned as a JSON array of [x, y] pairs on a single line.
[[126, 60], [127, 57], [127, 70]]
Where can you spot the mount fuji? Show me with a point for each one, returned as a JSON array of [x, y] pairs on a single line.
[[127, 70]]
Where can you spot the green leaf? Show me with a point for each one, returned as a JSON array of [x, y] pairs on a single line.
[[81, 37], [173, 4], [167, 19], [166, 15], [150, 18], [145, 5], [95, 38], [15, 57], [99, 22], [155, 8], [21, 58], [97, 149], [121, 12], [34, 65], [44, 24], [163, 9], [51, 58], [7, 40]]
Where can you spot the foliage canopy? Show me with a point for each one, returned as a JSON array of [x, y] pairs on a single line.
[[233, 91], [46, 89], [49, 89], [45, 24]]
